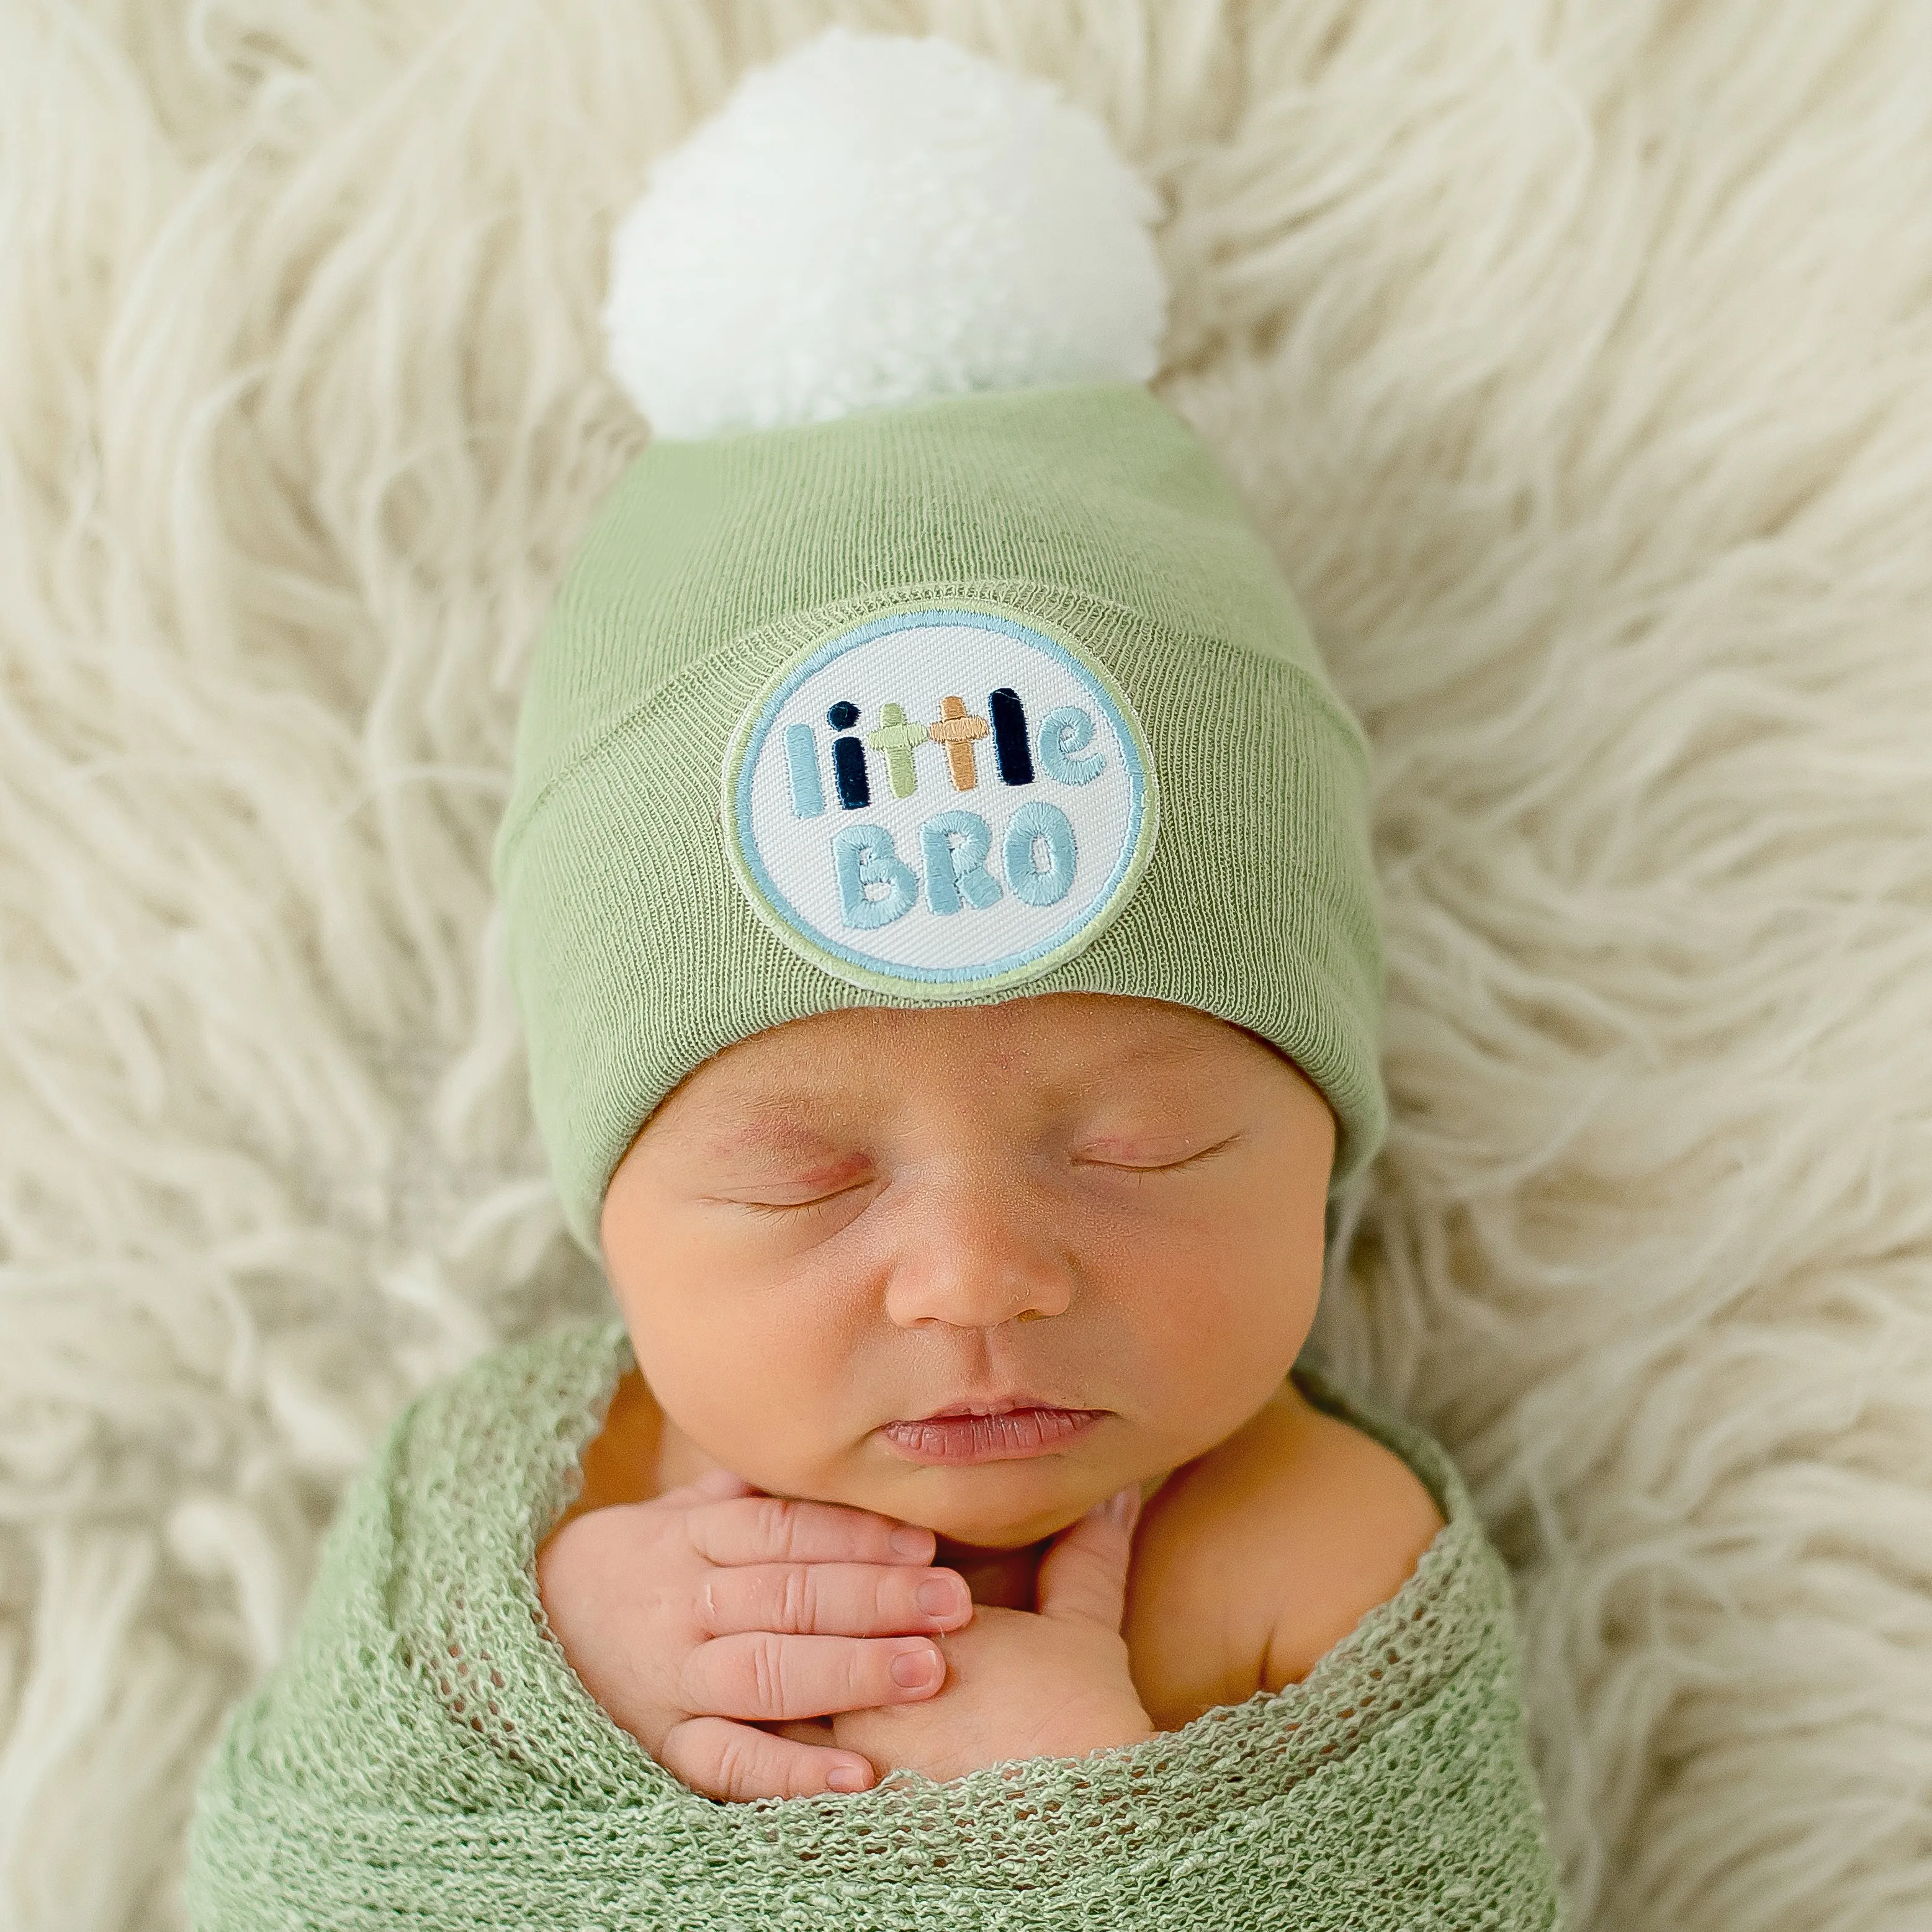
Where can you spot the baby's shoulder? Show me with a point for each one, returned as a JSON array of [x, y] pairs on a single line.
[[1254, 1559]]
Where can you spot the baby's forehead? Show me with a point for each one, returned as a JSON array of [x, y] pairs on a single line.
[[811, 1079], [1028, 1039]]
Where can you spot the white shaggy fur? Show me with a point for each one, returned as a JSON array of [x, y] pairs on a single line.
[[1576, 361], [873, 220]]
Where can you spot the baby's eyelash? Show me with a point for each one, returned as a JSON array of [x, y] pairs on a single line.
[[776, 1208], [1166, 1166]]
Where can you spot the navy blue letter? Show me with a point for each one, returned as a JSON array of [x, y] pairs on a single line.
[[1009, 736], [848, 757]]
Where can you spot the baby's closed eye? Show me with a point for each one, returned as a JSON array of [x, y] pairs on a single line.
[[1153, 1153]]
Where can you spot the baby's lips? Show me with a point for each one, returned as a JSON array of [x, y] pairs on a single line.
[[1010, 1436]]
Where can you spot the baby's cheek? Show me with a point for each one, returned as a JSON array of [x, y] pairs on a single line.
[[1214, 1356]]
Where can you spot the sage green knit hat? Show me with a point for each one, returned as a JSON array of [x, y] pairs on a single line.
[[972, 681]]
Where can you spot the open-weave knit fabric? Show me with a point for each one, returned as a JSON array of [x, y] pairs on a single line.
[[424, 1755]]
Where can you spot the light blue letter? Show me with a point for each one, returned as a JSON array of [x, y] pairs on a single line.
[[808, 796], [1064, 732], [951, 869], [1035, 825], [865, 855]]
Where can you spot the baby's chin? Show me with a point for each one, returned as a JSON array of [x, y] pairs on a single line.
[[990, 1507]]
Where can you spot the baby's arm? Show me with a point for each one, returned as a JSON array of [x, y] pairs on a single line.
[[1261, 1556], [694, 1617], [1343, 1538]]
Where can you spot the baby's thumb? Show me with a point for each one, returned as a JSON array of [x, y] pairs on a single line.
[[1083, 1577]]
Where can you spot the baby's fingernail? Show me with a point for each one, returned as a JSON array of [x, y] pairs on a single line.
[[846, 1777], [916, 1543], [917, 1669], [942, 1595], [1124, 1505]]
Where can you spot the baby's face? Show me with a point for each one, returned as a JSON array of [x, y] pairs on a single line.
[[1096, 1221]]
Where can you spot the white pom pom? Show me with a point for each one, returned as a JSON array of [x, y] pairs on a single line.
[[872, 220]]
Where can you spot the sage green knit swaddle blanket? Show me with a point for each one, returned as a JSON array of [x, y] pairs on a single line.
[[425, 1757]]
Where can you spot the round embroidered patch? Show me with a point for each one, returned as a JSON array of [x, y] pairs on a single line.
[[940, 801]]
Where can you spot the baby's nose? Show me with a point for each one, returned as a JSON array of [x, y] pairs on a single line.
[[976, 1271]]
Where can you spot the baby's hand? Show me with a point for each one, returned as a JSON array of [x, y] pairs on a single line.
[[712, 1608], [1050, 1683]]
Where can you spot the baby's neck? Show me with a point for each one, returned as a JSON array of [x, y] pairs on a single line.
[[1003, 1578]]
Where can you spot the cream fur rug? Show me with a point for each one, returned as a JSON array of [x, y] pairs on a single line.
[[1576, 356]]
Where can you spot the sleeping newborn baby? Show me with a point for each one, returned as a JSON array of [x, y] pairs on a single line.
[[990, 1308], [936, 894]]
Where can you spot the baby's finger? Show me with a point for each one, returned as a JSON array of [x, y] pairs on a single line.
[[764, 1677], [1083, 1578], [721, 1759], [769, 1529], [833, 1599]]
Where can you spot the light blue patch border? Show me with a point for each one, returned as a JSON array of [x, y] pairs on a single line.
[[747, 743]]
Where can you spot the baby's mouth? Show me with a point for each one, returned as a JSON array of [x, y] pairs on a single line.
[[989, 1432]]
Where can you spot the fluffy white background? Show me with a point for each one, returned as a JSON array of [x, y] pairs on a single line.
[[1577, 359]]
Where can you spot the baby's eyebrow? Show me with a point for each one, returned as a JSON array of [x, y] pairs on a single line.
[[775, 1131], [792, 1160]]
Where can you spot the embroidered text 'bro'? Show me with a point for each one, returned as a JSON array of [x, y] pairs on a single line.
[[940, 801]]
